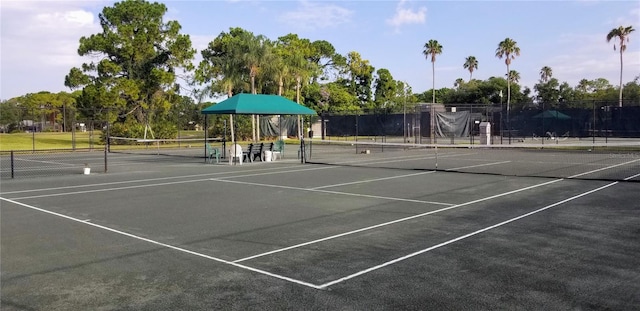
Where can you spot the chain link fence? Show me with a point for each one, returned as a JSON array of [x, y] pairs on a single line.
[[453, 123]]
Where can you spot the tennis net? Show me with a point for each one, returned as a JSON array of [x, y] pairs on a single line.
[[613, 161], [183, 147]]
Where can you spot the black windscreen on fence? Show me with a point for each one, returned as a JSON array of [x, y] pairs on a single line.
[[462, 122]]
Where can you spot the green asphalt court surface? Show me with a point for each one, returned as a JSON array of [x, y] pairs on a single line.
[[180, 234]]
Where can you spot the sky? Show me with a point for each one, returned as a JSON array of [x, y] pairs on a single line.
[[39, 39]]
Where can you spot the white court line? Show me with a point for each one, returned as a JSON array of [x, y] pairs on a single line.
[[605, 168], [365, 162], [154, 185], [46, 162], [137, 181], [477, 165], [330, 192], [419, 215], [110, 189], [351, 276], [180, 249], [401, 176], [280, 172], [632, 177], [370, 180], [397, 220]]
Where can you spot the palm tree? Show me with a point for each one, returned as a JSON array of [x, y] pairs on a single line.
[[256, 50], [545, 73], [513, 76], [621, 33], [509, 50], [470, 63], [584, 85], [432, 48], [459, 82]]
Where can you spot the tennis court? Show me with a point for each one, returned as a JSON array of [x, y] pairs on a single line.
[[156, 233]]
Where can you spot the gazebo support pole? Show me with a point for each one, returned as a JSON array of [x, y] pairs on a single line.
[[233, 135]]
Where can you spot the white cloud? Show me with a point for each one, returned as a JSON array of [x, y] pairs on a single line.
[[630, 20], [41, 38], [591, 57], [316, 15], [407, 16]]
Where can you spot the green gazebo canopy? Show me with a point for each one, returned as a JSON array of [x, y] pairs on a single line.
[[258, 104], [552, 114]]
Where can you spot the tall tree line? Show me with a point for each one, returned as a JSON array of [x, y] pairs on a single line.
[[141, 72]]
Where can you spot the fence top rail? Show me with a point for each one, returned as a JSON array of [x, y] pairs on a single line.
[[58, 150]]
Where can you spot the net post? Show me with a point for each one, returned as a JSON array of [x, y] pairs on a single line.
[[12, 166], [224, 147], [593, 123], [302, 152], [108, 142], [206, 127], [436, 157], [106, 149]]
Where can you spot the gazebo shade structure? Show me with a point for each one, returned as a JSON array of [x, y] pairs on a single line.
[[552, 114], [258, 104]]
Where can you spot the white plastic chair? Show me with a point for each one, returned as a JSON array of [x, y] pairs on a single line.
[[235, 152]]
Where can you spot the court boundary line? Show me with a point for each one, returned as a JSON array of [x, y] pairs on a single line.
[[392, 221], [399, 259], [477, 165], [145, 185], [130, 181], [334, 192], [109, 189], [370, 180], [164, 184], [146, 180], [325, 285], [382, 160], [400, 176], [180, 249], [604, 168], [46, 162]]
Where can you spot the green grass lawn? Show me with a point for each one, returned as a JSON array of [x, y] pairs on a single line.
[[48, 140]]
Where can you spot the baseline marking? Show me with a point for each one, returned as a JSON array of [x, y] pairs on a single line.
[[325, 285], [180, 249]]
